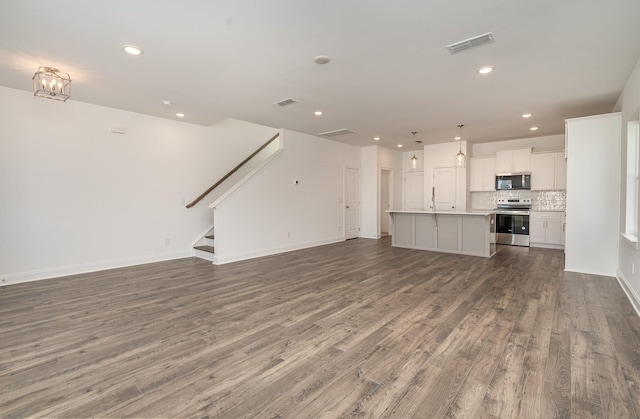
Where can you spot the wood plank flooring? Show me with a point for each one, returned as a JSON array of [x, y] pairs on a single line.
[[353, 329]]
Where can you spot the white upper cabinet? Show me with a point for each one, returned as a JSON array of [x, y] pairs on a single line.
[[548, 171], [482, 174], [509, 161]]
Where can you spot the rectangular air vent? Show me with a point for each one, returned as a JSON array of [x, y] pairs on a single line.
[[476, 41], [286, 102], [337, 132]]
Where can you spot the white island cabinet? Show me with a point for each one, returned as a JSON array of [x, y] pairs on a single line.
[[467, 233]]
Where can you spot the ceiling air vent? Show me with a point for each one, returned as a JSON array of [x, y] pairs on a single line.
[[476, 41], [286, 102], [337, 132]]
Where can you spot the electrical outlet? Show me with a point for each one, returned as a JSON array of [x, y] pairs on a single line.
[[339, 228], [289, 235], [633, 268], [167, 241]]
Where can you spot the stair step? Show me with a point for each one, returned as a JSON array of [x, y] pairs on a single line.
[[209, 236], [208, 249]]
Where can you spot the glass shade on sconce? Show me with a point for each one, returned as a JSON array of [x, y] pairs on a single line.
[[51, 83]]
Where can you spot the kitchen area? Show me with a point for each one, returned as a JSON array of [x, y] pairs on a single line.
[[528, 191], [513, 196]]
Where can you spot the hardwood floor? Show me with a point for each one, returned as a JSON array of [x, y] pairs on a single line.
[[351, 329]]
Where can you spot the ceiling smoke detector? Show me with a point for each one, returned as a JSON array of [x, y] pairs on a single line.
[[321, 59], [476, 41], [286, 102]]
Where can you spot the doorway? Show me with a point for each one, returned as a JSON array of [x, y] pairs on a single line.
[[351, 203], [386, 200]]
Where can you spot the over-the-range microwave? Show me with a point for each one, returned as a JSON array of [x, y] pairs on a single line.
[[513, 181]]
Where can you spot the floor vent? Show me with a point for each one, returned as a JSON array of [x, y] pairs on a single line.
[[337, 132], [476, 41], [286, 102]]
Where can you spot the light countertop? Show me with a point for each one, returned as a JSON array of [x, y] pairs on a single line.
[[470, 212]]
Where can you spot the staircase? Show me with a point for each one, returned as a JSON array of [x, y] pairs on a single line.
[[204, 249]]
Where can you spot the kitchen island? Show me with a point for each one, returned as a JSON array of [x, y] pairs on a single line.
[[468, 233]]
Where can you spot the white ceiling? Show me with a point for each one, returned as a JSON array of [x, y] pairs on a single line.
[[389, 74]]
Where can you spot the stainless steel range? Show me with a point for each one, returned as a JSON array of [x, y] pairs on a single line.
[[512, 221]]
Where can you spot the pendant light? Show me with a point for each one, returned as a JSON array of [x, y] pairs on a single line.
[[460, 159], [414, 159]]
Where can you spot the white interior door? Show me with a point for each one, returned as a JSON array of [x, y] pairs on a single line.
[[413, 191], [444, 183], [352, 203]]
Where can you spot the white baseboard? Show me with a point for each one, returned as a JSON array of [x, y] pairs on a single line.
[[370, 236], [221, 259], [631, 294], [547, 246], [47, 273]]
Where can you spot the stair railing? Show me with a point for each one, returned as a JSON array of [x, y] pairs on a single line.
[[235, 169]]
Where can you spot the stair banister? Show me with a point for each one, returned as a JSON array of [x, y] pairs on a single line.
[[235, 169]]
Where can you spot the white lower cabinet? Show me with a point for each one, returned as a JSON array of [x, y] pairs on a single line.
[[546, 229]]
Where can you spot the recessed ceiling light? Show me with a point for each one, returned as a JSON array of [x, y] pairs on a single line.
[[533, 128], [527, 115], [180, 115], [399, 145], [456, 138], [133, 50], [321, 59], [167, 103], [376, 138], [485, 70], [317, 113]]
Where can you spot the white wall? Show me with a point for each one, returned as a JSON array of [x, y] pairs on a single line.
[[75, 198], [442, 155], [539, 144], [369, 192], [271, 213], [628, 104], [593, 194]]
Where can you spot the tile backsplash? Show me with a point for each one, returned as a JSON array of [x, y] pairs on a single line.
[[540, 200]]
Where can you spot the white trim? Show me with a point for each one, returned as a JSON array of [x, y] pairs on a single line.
[[628, 290], [547, 246], [374, 236], [37, 275], [590, 272], [236, 257], [631, 239]]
